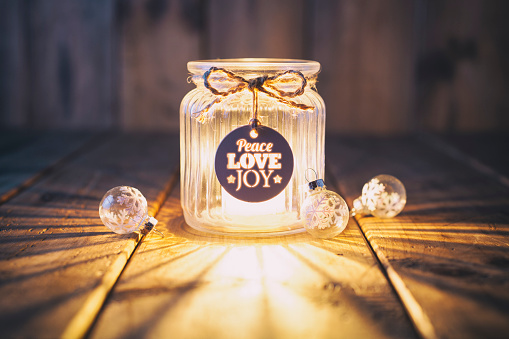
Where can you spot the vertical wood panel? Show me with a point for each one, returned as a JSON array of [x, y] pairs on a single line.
[[255, 29], [366, 52], [159, 37], [463, 69], [13, 70], [387, 66], [70, 62]]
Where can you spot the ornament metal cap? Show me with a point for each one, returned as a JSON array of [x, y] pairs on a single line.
[[316, 183], [149, 226]]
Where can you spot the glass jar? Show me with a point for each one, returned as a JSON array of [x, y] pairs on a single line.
[[206, 204]]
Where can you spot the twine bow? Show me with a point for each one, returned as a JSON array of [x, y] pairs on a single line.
[[264, 84]]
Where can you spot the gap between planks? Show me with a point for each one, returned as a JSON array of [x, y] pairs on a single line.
[[84, 319], [415, 312], [88, 145], [195, 277], [420, 321], [82, 322]]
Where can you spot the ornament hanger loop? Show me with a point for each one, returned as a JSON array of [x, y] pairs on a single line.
[[158, 232], [255, 123], [306, 175]]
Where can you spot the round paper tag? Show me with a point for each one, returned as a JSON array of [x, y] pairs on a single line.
[[254, 169]]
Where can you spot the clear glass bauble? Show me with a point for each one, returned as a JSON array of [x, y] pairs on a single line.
[[325, 213], [384, 196], [123, 209]]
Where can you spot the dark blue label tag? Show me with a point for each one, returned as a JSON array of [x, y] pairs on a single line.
[[254, 167]]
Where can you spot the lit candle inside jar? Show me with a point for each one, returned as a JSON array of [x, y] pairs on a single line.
[[233, 206]]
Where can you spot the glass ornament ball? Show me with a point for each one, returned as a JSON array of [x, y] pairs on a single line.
[[124, 210], [384, 196], [325, 212]]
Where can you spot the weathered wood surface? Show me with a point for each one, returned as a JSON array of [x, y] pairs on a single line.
[[13, 61], [441, 267], [488, 149], [366, 51], [196, 285], [461, 65], [70, 63], [388, 66], [57, 261], [157, 39], [448, 252], [26, 156], [256, 29]]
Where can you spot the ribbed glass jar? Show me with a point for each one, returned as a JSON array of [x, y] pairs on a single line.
[[206, 205]]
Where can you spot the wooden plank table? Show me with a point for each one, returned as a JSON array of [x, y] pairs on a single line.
[[438, 270]]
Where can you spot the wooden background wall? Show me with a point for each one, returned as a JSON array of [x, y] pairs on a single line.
[[388, 66]]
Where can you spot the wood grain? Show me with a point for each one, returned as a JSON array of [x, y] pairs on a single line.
[[26, 156], [486, 148], [450, 245], [255, 29], [158, 38], [366, 49], [54, 251], [461, 66], [13, 65], [70, 60], [196, 285], [388, 66]]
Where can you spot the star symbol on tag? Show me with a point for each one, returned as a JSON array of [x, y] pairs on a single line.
[[277, 179], [231, 179]]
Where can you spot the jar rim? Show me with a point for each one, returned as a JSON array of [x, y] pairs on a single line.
[[262, 65]]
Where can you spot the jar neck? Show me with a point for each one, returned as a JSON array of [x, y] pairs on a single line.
[[247, 69], [198, 79]]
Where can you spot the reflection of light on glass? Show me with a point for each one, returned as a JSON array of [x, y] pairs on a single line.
[[384, 196], [234, 206]]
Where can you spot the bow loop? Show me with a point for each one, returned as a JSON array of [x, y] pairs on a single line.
[[222, 83], [288, 84]]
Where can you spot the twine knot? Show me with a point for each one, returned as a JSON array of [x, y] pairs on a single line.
[[269, 85], [256, 83]]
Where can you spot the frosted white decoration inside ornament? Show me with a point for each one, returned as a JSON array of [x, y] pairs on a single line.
[[384, 196], [124, 210], [325, 213]]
